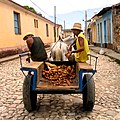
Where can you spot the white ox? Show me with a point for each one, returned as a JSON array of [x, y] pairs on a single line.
[[60, 48]]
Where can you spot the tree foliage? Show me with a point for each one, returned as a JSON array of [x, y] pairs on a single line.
[[30, 8]]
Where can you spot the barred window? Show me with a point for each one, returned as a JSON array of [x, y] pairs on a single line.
[[47, 31], [35, 23], [17, 28]]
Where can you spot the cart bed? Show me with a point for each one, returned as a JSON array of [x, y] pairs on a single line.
[[45, 84]]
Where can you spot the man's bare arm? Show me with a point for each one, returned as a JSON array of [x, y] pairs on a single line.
[[81, 43]]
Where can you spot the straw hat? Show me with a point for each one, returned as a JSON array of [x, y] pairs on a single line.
[[77, 26], [26, 35]]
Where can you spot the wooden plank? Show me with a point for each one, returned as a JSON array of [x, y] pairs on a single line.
[[51, 87], [85, 66], [32, 65], [36, 66]]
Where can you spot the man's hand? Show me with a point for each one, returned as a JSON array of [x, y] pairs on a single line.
[[68, 54], [28, 59]]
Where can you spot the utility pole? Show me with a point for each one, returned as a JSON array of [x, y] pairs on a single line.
[[64, 24], [54, 23], [86, 24]]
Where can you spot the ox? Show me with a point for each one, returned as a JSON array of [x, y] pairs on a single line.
[[60, 48]]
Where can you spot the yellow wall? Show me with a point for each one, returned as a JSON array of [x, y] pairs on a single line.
[[8, 38], [94, 33], [93, 28]]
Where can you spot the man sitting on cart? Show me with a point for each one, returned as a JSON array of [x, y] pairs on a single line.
[[36, 47], [81, 43]]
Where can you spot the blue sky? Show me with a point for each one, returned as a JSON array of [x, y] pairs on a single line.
[[66, 6], [46, 7]]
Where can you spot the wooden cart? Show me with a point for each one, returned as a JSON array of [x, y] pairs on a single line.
[[35, 83]]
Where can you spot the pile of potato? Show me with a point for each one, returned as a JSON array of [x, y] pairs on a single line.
[[59, 75]]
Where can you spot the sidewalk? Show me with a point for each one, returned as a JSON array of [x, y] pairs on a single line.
[[107, 52], [5, 59]]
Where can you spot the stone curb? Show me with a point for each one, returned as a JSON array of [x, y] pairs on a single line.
[[108, 53], [6, 59]]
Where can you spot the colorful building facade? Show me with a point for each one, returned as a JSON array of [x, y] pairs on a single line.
[[105, 27], [16, 21]]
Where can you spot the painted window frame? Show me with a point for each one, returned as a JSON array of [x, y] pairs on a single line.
[[47, 30], [17, 24], [35, 23]]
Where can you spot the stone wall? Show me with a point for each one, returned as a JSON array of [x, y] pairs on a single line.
[[116, 32], [4, 52]]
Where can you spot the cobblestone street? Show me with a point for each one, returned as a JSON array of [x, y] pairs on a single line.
[[61, 107]]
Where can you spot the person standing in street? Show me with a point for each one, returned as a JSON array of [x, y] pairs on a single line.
[[36, 47], [82, 49]]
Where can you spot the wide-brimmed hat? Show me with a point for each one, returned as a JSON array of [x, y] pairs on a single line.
[[77, 26], [26, 35]]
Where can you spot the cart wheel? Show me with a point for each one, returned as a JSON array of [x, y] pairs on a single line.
[[29, 97], [88, 93]]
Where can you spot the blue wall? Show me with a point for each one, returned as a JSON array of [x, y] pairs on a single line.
[[108, 32], [104, 28], [99, 31]]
